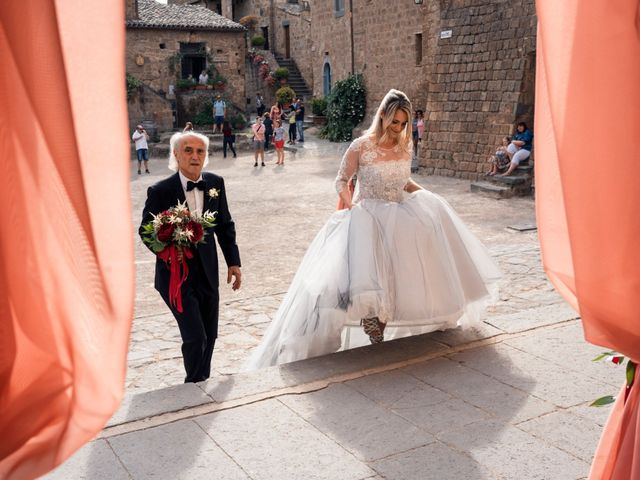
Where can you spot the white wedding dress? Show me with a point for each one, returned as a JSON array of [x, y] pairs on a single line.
[[407, 259]]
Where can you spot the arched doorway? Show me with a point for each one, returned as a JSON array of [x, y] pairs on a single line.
[[326, 79]]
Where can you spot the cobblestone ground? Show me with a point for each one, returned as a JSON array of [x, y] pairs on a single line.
[[278, 210]]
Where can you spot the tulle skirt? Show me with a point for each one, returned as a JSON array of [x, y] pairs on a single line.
[[412, 264]]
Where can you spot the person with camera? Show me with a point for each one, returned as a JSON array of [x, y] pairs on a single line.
[[140, 137]]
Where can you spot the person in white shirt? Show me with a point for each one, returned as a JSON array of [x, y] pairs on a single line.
[[140, 137], [203, 78]]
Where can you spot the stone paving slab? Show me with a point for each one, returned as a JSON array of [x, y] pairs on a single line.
[[358, 424], [497, 398], [433, 461], [514, 454], [572, 433], [271, 442], [180, 450], [94, 461], [545, 380], [566, 346], [148, 404], [533, 317]]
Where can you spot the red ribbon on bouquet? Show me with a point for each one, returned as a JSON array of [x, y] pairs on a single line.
[[179, 272]]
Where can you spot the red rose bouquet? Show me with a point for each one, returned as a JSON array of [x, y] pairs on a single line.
[[172, 235]]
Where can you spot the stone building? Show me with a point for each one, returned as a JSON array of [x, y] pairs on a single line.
[[470, 64], [166, 43]]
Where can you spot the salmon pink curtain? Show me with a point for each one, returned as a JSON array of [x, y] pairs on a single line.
[[66, 253], [587, 186]]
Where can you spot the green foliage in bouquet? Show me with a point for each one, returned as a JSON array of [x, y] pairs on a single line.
[[346, 105]]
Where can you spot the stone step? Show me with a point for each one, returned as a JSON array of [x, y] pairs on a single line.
[[491, 190], [510, 180]]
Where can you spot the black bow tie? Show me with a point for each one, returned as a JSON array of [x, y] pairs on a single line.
[[201, 185]]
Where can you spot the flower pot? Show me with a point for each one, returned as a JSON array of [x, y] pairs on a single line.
[[319, 120]]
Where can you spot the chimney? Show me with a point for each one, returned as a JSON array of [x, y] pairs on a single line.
[[131, 9]]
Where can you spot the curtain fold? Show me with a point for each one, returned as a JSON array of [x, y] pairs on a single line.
[[66, 252], [587, 194]]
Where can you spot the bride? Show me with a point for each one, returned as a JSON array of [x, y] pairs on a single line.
[[396, 261]]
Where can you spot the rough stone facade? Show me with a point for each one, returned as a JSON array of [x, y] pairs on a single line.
[[479, 81], [153, 57], [473, 85], [382, 47]]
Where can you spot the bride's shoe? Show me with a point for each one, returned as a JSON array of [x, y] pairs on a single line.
[[374, 328]]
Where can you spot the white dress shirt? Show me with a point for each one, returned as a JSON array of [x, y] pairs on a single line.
[[195, 198]]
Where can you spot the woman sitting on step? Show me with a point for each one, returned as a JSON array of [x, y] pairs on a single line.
[[520, 147]]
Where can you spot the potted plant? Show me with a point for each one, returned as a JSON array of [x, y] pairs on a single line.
[[281, 74], [319, 110], [238, 122], [218, 81], [257, 41], [285, 95], [185, 83]]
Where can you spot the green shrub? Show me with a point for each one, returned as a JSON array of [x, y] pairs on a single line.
[[258, 41], [319, 106], [184, 83], [346, 105], [281, 72], [205, 115], [133, 85], [285, 94], [238, 121]]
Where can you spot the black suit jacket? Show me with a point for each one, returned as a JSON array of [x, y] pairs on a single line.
[[166, 194]]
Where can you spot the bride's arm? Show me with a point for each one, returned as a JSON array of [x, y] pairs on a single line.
[[348, 168], [412, 186]]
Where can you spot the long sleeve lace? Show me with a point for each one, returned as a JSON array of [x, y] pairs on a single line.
[[348, 166]]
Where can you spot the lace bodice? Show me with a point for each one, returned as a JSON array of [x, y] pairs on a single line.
[[382, 173]]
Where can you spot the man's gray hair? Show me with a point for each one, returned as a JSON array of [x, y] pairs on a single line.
[[176, 143]]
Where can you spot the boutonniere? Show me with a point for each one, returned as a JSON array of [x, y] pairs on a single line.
[[214, 193]]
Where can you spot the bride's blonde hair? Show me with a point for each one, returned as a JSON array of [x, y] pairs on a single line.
[[393, 101]]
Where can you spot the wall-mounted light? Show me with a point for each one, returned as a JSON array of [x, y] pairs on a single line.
[[418, 2]]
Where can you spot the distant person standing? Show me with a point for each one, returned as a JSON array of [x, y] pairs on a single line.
[[258, 130], [228, 139], [276, 112], [292, 126], [260, 104], [188, 127], [268, 132], [300, 120], [140, 137], [219, 113], [278, 141], [203, 78]]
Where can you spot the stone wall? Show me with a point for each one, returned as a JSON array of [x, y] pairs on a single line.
[[157, 49], [473, 85], [479, 81], [146, 105], [384, 47], [300, 37]]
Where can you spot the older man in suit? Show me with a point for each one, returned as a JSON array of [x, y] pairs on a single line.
[[198, 321]]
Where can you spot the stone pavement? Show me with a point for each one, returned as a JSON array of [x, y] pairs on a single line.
[[507, 400], [278, 210]]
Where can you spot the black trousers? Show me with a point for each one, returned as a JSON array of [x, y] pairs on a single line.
[[293, 129], [198, 322], [227, 142]]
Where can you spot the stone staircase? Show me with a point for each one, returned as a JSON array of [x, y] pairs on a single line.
[[295, 80], [519, 183]]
